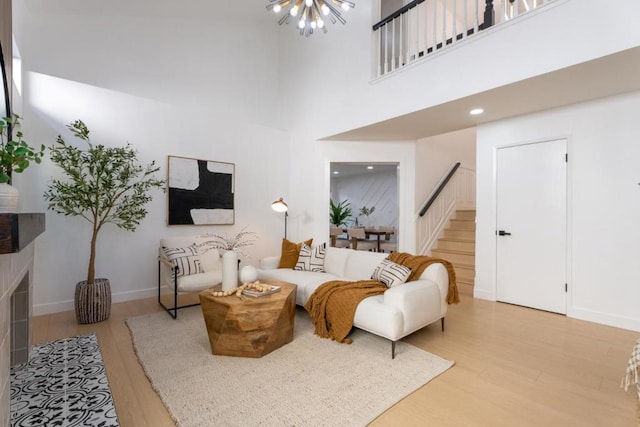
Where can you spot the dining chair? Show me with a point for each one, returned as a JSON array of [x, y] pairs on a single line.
[[388, 244], [336, 240], [359, 240]]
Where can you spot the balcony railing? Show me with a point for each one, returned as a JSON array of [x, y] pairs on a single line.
[[423, 27]]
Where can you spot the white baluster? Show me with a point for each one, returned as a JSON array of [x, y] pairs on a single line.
[[476, 25], [386, 48], [466, 23], [394, 60], [379, 52], [435, 24], [401, 45], [444, 23], [454, 35]]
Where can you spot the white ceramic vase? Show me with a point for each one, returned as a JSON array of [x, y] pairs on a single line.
[[248, 273], [8, 198], [229, 270]]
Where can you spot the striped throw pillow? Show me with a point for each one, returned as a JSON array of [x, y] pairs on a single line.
[[187, 260], [311, 259], [390, 273]]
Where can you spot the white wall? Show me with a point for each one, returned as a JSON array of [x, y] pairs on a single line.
[[436, 155], [603, 204], [310, 183], [377, 189], [190, 80]]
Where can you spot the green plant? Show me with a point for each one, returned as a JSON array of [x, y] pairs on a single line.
[[15, 154], [103, 185], [339, 213], [367, 211]]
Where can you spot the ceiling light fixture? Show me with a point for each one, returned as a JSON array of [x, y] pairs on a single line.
[[370, 167], [310, 14], [476, 111]]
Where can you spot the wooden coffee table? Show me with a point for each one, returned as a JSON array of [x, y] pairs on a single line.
[[246, 326]]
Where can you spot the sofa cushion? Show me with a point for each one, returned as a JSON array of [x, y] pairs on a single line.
[[360, 264], [186, 259], [290, 253], [199, 282], [335, 260], [390, 273], [306, 281], [311, 259]]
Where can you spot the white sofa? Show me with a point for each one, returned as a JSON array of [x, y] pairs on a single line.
[[398, 312]]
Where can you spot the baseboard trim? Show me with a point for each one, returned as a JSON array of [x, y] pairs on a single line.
[[58, 307], [604, 318], [482, 294]]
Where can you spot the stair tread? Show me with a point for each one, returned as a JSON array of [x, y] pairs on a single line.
[[453, 251], [457, 239], [464, 266]]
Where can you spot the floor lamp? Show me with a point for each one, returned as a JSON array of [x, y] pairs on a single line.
[[280, 206]]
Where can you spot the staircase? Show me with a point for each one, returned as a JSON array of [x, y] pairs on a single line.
[[458, 245]]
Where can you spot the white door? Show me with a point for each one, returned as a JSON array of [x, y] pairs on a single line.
[[532, 225]]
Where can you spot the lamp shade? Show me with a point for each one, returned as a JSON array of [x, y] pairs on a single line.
[[279, 205]]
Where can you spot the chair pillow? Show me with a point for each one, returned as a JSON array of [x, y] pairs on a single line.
[[290, 253], [390, 273], [186, 260], [311, 259]]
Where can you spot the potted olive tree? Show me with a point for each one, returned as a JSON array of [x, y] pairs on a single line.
[[15, 156], [102, 185]]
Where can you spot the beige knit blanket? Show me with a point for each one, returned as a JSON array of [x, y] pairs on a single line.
[[633, 370], [332, 306]]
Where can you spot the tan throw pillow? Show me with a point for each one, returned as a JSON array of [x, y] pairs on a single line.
[[290, 253]]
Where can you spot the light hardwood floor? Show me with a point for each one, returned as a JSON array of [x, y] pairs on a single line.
[[514, 367]]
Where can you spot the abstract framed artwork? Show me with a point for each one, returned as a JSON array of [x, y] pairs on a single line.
[[201, 192]]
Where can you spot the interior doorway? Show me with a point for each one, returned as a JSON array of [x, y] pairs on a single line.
[[367, 186]]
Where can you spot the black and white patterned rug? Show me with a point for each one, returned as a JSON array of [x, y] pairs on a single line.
[[63, 384]]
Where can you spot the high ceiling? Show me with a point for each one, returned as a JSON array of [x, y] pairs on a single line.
[[607, 76]]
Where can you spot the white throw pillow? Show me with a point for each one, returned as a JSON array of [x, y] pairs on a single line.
[[390, 273], [186, 259], [311, 259]]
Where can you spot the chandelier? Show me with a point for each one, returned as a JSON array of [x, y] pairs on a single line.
[[310, 14]]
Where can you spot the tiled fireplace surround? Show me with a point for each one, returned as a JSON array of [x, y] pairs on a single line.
[[17, 232], [15, 328]]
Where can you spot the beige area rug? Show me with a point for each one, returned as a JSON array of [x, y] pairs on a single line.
[[308, 382]]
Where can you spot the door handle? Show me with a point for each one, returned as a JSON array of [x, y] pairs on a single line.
[[503, 233]]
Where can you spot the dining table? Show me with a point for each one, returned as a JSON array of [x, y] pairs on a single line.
[[379, 233], [374, 232]]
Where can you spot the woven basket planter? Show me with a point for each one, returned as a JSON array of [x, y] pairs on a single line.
[[93, 302]]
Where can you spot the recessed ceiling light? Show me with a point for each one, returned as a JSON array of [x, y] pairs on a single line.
[[336, 172], [476, 111], [369, 167]]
